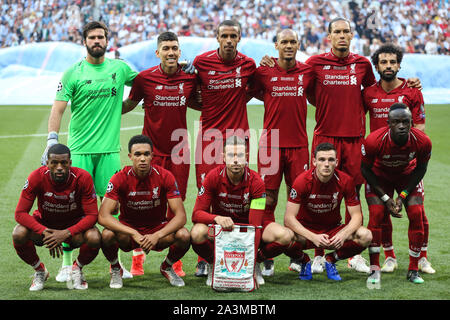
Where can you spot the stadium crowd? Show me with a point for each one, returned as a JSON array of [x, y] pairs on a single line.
[[420, 26]]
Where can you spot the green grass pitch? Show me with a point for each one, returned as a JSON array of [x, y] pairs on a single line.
[[22, 140]]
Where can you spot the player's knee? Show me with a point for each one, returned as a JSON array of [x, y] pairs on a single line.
[[364, 236], [93, 238], [183, 236], [283, 235], [415, 216], [20, 234], [108, 237], [199, 233]]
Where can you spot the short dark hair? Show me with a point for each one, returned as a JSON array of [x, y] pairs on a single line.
[[94, 25], [140, 138], [387, 48], [325, 146], [229, 23], [398, 105], [330, 25], [284, 30], [58, 149], [235, 141], [166, 36]]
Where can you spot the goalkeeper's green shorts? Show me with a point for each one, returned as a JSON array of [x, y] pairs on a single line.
[[101, 166]]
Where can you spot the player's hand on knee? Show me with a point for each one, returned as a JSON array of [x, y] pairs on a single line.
[[393, 208], [52, 139], [321, 240], [225, 222]]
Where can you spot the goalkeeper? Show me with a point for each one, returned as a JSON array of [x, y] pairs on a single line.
[[95, 88]]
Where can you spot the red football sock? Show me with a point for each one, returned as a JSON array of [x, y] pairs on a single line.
[[386, 237], [426, 230], [269, 213], [27, 252], [205, 249], [295, 250], [319, 252], [111, 254], [415, 234], [349, 249], [176, 253], [374, 256], [87, 254], [270, 250]]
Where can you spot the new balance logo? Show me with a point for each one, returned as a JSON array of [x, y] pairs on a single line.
[[211, 72], [274, 79], [326, 67], [159, 87]]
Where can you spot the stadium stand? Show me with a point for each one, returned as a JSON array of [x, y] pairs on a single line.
[[420, 26]]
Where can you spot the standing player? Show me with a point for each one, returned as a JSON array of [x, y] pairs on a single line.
[[340, 119], [166, 91], [233, 193], [67, 211], [377, 100], [144, 192], [396, 158], [95, 88], [223, 75], [283, 90], [313, 213]]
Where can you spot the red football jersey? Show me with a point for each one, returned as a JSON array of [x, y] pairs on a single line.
[[218, 196], [338, 98], [223, 90], [320, 202], [143, 203], [165, 101], [377, 102], [70, 205], [285, 106], [390, 160]]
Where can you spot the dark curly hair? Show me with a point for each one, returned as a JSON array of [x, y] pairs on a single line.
[[387, 48]]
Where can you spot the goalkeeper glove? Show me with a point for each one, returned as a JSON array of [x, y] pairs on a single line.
[[52, 139]]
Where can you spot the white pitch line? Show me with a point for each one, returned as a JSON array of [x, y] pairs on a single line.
[[61, 133]]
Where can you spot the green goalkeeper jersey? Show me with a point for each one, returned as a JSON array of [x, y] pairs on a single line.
[[96, 94]]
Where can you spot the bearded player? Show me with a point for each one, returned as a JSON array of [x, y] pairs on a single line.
[[377, 100], [282, 153], [395, 158], [144, 191], [67, 212], [223, 75], [233, 193], [95, 87], [167, 91]]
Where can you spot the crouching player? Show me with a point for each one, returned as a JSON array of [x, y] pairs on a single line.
[[233, 193], [396, 158], [67, 212], [143, 191], [313, 213]]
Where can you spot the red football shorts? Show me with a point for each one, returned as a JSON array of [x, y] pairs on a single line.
[[58, 225], [180, 171], [144, 231], [348, 154], [290, 162], [397, 183], [330, 232]]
